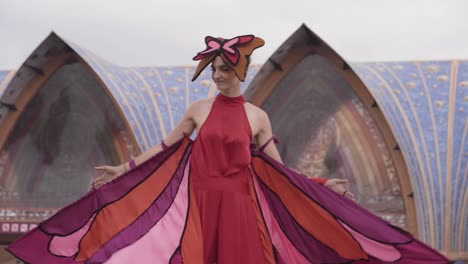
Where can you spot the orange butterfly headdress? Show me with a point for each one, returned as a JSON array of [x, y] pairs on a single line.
[[233, 52]]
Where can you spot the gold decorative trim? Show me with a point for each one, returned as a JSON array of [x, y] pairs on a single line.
[[155, 106], [451, 124], [163, 87]]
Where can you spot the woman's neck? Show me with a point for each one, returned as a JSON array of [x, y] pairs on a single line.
[[235, 92]]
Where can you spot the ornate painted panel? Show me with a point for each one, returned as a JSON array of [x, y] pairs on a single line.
[[426, 104], [326, 131], [69, 127]]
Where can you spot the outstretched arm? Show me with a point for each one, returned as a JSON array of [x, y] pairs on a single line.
[[266, 133], [108, 173], [185, 126]]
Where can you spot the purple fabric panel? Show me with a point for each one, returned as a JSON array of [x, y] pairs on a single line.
[[278, 258], [163, 145], [147, 220], [66, 221], [372, 260], [310, 247], [177, 258], [343, 208], [419, 253], [413, 253], [132, 164], [34, 249]]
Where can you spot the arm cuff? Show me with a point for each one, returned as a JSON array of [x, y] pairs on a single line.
[[163, 145]]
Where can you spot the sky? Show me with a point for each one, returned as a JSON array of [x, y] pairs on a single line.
[[171, 32]]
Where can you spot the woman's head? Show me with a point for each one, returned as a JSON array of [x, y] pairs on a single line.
[[223, 75], [233, 52]]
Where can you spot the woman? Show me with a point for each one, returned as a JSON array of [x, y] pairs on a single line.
[[217, 199]]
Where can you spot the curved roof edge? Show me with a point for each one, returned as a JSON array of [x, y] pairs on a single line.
[[51, 53], [303, 43]]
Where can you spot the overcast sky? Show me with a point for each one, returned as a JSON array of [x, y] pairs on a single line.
[[171, 32]]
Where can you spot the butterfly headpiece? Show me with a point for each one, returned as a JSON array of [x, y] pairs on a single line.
[[233, 52]]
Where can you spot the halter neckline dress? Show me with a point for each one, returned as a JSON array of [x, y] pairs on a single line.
[[220, 172]]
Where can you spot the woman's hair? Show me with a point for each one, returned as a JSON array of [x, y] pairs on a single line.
[[248, 63]]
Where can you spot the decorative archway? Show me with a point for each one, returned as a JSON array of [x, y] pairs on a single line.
[[329, 124], [57, 122]]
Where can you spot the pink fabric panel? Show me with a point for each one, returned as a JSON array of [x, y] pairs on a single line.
[[282, 244], [381, 251], [158, 245], [68, 246]]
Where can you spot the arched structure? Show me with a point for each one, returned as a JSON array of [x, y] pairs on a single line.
[[331, 125], [426, 102], [418, 108], [57, 121]]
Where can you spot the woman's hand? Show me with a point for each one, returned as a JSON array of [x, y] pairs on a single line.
[[337, 185], [107, 174]]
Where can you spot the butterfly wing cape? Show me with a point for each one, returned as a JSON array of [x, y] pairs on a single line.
[[149, 215]]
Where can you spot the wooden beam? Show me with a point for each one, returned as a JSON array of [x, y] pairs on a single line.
[[27, 94]]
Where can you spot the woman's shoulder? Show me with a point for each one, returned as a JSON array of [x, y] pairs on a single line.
[[200, 105], [255, 109], [202, 102]]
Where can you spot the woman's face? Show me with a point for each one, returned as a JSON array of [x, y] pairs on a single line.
[[223, 76]]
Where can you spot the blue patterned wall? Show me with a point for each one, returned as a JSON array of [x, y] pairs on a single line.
[[426, 104]]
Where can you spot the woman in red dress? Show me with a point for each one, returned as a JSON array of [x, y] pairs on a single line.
[[218, 199], [226, 126]]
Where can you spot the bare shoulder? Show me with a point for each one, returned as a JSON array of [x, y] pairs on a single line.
[[258, 118], [202, 102], [200, 106], [256, 112]]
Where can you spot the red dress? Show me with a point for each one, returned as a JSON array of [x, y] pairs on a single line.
[[220, 174]]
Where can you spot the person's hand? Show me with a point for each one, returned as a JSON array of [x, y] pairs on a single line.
[[338, 185], [107, 174]]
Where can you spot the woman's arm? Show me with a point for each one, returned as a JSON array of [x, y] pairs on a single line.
[[186, 125], [265, 133]]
